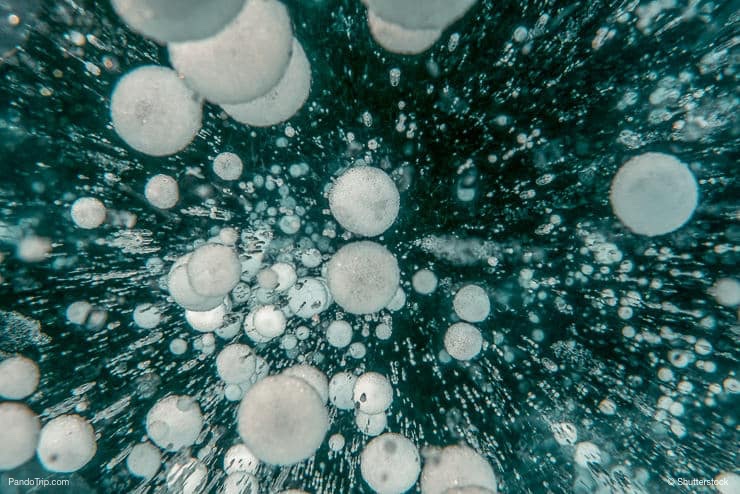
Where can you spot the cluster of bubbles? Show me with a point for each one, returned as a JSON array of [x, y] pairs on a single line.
[[268, 292]]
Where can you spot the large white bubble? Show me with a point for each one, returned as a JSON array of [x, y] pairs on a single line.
[[420, 14], [282, 420], [19, 377], [174, 422], [244, 60], [471, 303], [154, 112], [363, 277], [281, 102], [19, 440], [88, 212], [372, 393], [66, 444], [654, 194], [214, 270], [398, 39], [144, 460], [456, 466], [463, 341], [390, 464], [177, 20], [364, 200]]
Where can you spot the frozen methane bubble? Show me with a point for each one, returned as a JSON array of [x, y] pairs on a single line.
[[286, 276], [471, 303], [587, 453], [187, 476], [236, 364], [341, 389], [228, 166], [162, 191], [424, 282], [372, 393], [654, 194], [364, 200], [282, 420], [209, 320], [363, 277], [66, 444], [420, 14], [147, 316], [240, 483], [339, 334], [283, 101], [398, 39], [182, 292], [390, 464], [456, 466], [312, 376], [144, 460], [174, 422], [238, 458], [78, 312], [726, 291], [19, 441], [308, 297], [19, 377], [154, 112], [371, 424], [214, 270], [269, 321], [463, 341], [176, 20], [33, 248], [88, 212], [244, 60]]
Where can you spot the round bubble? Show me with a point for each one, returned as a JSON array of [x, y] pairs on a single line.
[[236, 364], [372, 393], [308, 297], [228, 166], [363, 277], [19, 377], [456, 466], [88, 212], [66, 444], [364, 200], [144, 460], [244, 60], [214, 270], [162, 191], [339, 334], [19, 441], [398, 39], [154, 112], [390, 464], [312, 376], [341, 389], [283, 101], [176, 20], [471, 303], [174, 422], [654, 194], [282, 420], [238, 458], [463, 341], [420, 14]]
